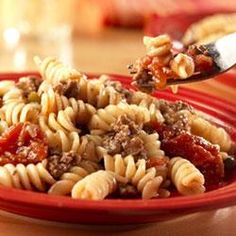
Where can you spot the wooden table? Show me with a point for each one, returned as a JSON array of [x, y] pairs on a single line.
[[108, 52]]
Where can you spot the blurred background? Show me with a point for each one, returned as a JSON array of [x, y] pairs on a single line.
[[103, 35]]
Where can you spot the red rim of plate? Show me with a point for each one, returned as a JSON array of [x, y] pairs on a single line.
[[225, 195]]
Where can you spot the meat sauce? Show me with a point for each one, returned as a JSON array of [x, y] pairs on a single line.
[[23, 143]]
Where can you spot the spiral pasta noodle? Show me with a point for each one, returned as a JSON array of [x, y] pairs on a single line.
[[139, 98], [182, 65], [60, 140], [16, 112], [67, 181], [158, 46], [3, 126], [210, 28], [26, 177], [54, 71], [215, 135], [88, 148], [155, 114], [5, 86], [96, 93], [152, 144], [52, 102], [186, 177], [103, 118], [64, 121], [14, 95], [146, 180], [95, 186]]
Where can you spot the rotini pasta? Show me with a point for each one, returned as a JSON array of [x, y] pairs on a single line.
[[5, 86], [16, 112], [182, 65], [67, 181], [60, 140], [95, 186], [186, 177], [88, 148], [103, 118], [26, 177], [210, 28], [95, 92], [157, 46], [146, 180], [64, 121], [14, 95], [152, 144], [216, 135], [52, 102], [3, 126], [54, 71]]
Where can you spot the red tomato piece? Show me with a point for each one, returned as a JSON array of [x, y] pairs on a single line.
[[23, 143]]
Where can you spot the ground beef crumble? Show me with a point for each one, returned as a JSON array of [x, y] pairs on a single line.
[[123, 139], [127, 191], [68, 88], [144, 81], [29, 84], [176, 114], [58, 164], [118, 88]]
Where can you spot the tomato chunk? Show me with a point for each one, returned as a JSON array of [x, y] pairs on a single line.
[[23, 143], [204, 155]]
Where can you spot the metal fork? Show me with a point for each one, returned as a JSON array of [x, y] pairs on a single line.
[[223, 53]]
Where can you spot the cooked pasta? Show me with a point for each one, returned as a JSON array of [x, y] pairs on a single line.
[[88, 148], [152, 144], [96, 93], [3, 126], [67, 181], [186, 177], [139, 98], [210, 28], [146, 180], [60, 140], [157, 46], [16, 112], [155, 114], [64, 121], [5, 86], [54, 71], [65, 134], [13, 95], [182, 65], [85, 146], [95, 186], [103, 118], [216, 135], [52, 102], [26, 177]]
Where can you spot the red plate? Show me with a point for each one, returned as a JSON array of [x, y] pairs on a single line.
[[115, 211]]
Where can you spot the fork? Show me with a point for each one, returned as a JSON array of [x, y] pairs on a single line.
[[223, 53]]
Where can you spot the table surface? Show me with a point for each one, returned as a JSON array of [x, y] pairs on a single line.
[[108, 52]]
